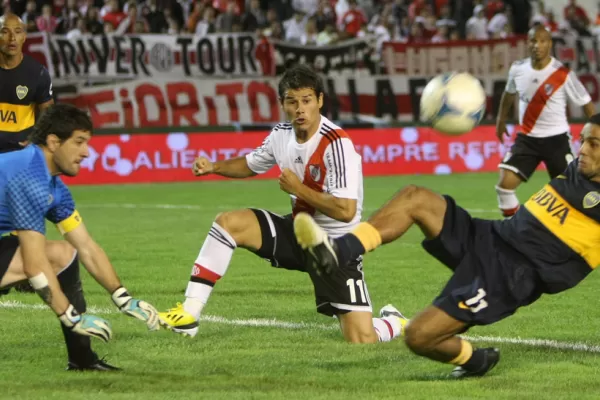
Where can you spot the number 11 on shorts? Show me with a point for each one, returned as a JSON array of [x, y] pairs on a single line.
[[351, 283]]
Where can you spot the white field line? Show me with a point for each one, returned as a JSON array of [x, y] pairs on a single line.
[[274, 323], [219, 207]]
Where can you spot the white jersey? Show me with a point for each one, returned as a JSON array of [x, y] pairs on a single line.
[[543, 96], [327, 163]]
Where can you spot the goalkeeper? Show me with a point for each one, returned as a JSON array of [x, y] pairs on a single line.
[[30, 192]]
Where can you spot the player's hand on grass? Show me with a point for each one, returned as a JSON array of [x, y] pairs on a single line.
[[136, 308], [86, 325], [202, 166], [501, 131], [289, 182]]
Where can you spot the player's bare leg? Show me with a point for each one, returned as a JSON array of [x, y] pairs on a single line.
[[508, 183], [60, 254], [357, 327], [432, 333], [411, 205], [64, 261]]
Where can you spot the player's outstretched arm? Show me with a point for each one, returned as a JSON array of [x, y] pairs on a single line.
[[96, 262], [38, 270], [232, 168]]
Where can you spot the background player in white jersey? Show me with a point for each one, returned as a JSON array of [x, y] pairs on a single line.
[[322, 173], [543, 85]]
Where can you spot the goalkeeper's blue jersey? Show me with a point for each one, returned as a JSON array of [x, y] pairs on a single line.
[[29, 194]]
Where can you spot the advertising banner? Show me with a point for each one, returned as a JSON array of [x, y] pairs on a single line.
[[173, 102], [169, 157]]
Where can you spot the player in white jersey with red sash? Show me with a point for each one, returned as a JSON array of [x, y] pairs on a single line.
[[322, 173], [543, 85]]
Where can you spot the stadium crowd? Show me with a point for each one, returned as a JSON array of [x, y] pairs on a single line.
[[308, 22]]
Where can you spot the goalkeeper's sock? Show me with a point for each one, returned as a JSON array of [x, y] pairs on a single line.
[[79, 347], [361, 240], [209, 267]]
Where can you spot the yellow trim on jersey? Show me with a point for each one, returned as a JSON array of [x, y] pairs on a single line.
[[575, 229], [16, 117], [69, 224]]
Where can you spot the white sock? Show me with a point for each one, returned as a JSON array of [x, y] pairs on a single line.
[[209, 267], [388, 328], [507, 199]]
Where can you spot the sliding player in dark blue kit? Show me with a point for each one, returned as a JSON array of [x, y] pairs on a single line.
[[550, 245], [31, 192]]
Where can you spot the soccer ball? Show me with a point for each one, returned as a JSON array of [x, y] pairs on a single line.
[[453, 103]]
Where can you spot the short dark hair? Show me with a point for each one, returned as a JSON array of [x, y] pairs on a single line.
[[300, 76], [61, 120], [595, 119]]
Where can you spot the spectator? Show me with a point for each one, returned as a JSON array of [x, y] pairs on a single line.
[[254, 17], [79, 29], [497, 23], [157, 22], [108, 29], [192, 21], [493, 7], [224, 22], [30, 13], [307, 7], [445, 18], [573, 11], [174, 28], [353, 20], [577, 22], [477, 24], [416, 35], [128, 24], [207, 23], [324, 16], [275, 31], [265, 55], [441, 35], [327, 36], [92, 21], [222, 6], [69, 16], [309, 37], [46, 22], [415, 8], [140, 27], [113, 14], [295, 27]]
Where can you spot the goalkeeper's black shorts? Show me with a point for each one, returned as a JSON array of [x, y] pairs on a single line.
[[8, 248]]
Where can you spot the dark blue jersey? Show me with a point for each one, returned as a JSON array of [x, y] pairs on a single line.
[[558, 230]]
